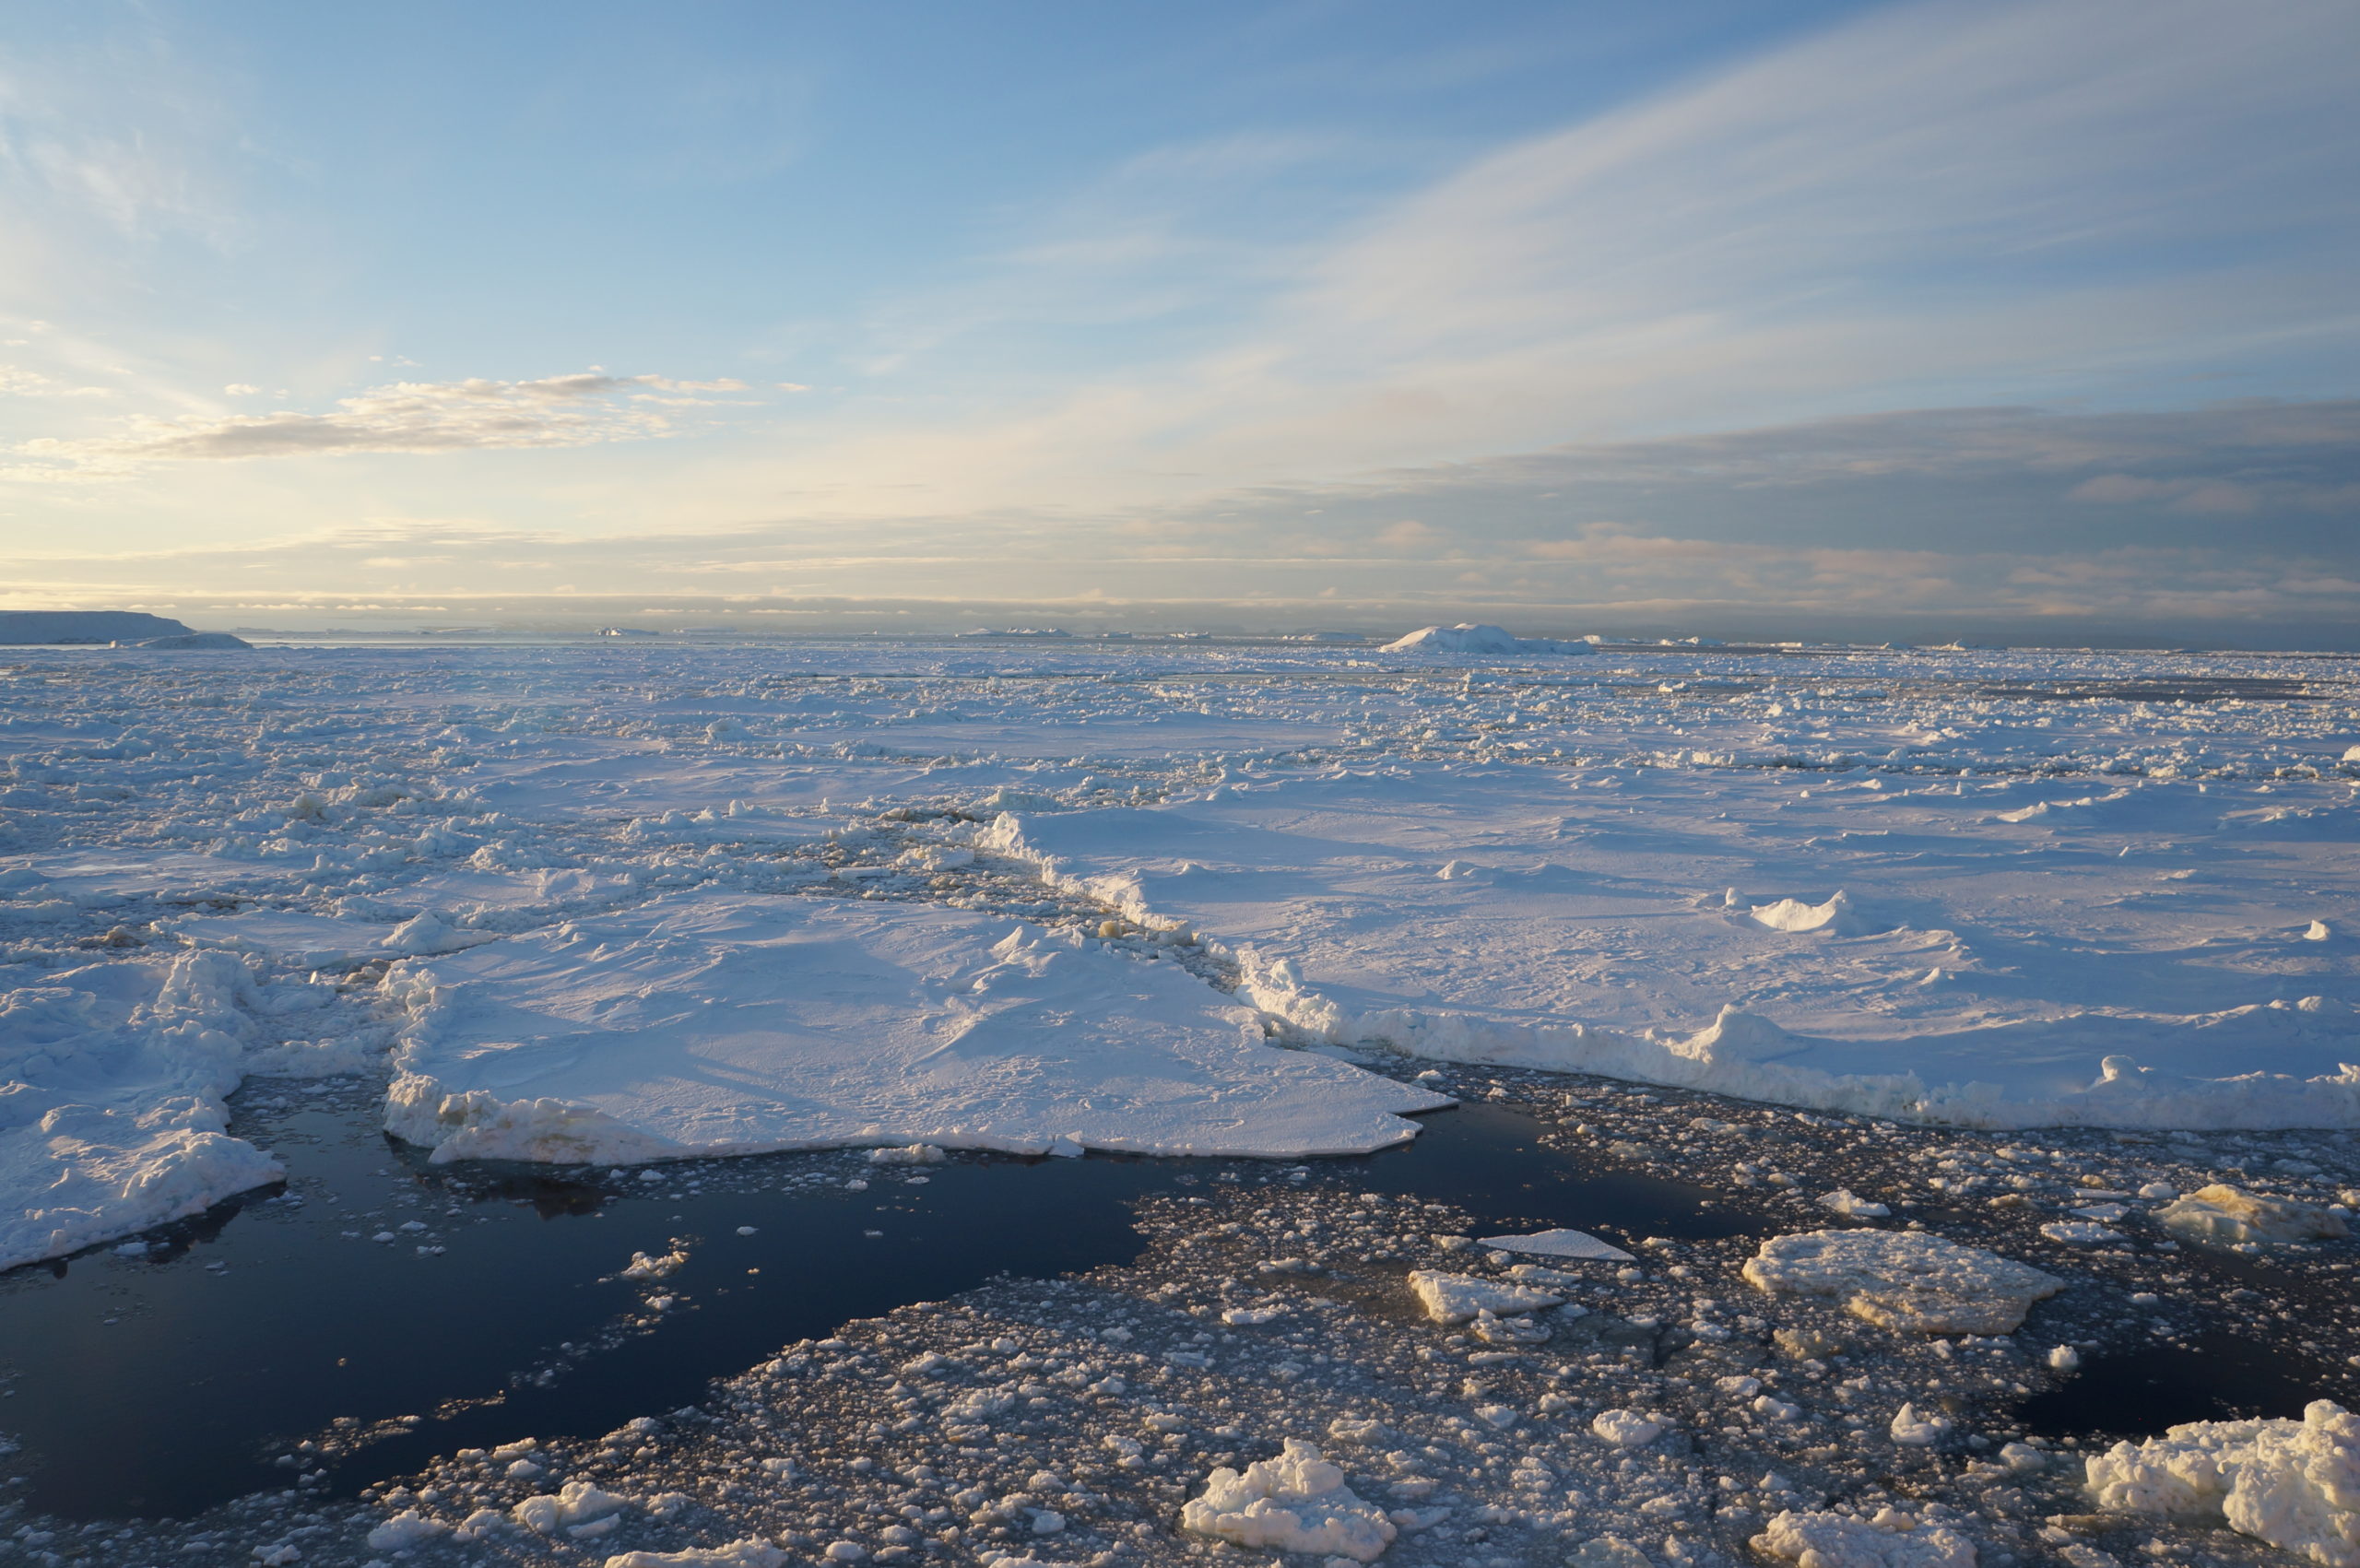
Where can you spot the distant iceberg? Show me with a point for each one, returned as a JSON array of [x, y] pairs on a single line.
[[1468, 637]]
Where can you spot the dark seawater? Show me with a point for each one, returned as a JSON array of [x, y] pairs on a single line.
[[162, 1385], [2140, 1393]]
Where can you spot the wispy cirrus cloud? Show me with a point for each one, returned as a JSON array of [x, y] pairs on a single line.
[[582, 409]]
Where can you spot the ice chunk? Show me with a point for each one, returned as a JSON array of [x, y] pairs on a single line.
[[2294, 1484], [1455, 1298], [1297, 1501], [1793, 914], [1841, 1540], [751, 1552], [2080, 1232], [1911, 1280], [1844, 1202], [1625, 1429], [1560, 1244], [1912, 1429], [907, 1154], [2228, 1214], [406, 1529], [575, 1503], [723, 1023]]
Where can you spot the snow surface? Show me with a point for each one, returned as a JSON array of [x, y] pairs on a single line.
[[1910, 1280], [713, 1023], [1996, 889], [2295, 1484]]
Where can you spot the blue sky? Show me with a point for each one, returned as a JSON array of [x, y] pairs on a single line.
[[1566, 315]]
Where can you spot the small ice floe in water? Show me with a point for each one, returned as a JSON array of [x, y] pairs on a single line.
[[1456, 1298], [1890, 1539], [2295, 1484], [1560, 1244], [2080, 1232], [1296, 1502], [1252, 1317], [575, 1503], [907, 1154], [1912, 1429], [2231, 1215], [1843, 1201], [1625, 1429], [1910, 1280], [2064, 1358]]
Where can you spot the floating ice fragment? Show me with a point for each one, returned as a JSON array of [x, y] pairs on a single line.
[[575, 1503], [1912, 1429], [2080, 1232], [2294, 1484], [2226, 1214], [907, 1154], [1560, 1244], [1297, 1501], [1910, 1280], [1842, 1540], [749, 1553], [2064, 1358], [406, 1529], [1455, 1298], [1625, 1429], [1844, 1202]]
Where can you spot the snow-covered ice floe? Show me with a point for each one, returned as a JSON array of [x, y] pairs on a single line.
[[1910, 1280], [717, 1023], [2295, 1484], [111, 1077], [1526, 917], [1561, 1244]]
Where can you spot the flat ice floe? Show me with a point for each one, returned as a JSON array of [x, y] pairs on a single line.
[[1894, 946], [710, 1024]]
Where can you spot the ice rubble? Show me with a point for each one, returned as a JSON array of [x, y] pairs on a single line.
[[2225, 1214], [1910, 1280], [719, 1023], [1468, 637], [112, 1079], [1295, 1502], [1890, 1539], [2294, 1484]]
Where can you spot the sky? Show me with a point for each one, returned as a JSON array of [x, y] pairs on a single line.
[[1798, 318]]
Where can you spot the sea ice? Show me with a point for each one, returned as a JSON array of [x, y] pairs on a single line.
[[1560, 1244], [1468, 637], [1296, 1502], [1843, 1540], [1909, 1281], [719, 1023], [1455, 1298], [112, 1079], [2230, 1215], [2294, 1484]]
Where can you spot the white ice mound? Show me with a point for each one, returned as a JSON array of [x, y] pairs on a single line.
[[2294, 1484], [751, 1552], [1909, 1281], [2230, 1215], [1893, 1539], [1835, 915], [1297, 1501], [1560, 1244], [1469, 638], [111, 1084], [1455, 1298], [724, 1023]]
